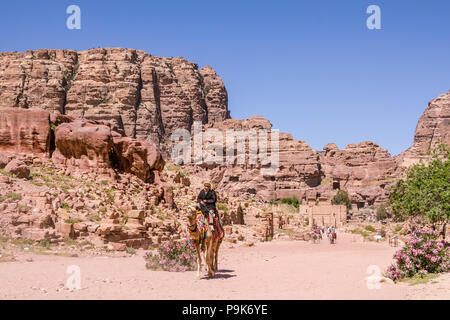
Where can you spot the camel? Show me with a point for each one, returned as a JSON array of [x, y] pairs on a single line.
[[202, 242], [207, 242]]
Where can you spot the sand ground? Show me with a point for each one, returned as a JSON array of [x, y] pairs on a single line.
[[273, 270]]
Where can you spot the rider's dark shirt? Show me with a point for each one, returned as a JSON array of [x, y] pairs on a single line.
[[210, 198]]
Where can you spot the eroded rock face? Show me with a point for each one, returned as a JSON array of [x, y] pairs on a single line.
[[433, 127], [299, 167], [93, 146], [25, 131], [36, 79], [363, 170], [140, 95], [134, 102], [216, 95]]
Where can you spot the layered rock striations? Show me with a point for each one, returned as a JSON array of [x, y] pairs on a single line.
[[128, 103], [364, 170], [144, 96], [25, 131]]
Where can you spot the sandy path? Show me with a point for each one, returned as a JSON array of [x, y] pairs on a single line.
[[275, 270]]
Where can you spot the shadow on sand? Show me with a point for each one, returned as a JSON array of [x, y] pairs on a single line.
[[221, 274]]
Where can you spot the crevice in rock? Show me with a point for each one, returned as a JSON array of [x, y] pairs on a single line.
[[22, 88], [67, 82], [157, 94], [138, 102], [52, 143]]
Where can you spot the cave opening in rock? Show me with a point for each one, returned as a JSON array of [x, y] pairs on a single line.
[[52, 144], [336, 185]]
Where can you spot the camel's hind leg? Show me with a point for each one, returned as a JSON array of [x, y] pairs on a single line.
[[216, 255]]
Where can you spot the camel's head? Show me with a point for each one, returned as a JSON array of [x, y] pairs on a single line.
[[192, 217]]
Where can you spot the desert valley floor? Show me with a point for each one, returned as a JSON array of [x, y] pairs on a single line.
[[271, 270]]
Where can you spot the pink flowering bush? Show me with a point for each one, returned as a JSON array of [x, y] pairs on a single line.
[[174, 256], [423, 253]]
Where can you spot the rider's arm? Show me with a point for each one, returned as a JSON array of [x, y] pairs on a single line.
[[200, 197]]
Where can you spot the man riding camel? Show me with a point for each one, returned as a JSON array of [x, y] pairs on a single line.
[[207, 199]]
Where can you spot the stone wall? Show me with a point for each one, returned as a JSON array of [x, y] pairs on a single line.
[[324, 214]]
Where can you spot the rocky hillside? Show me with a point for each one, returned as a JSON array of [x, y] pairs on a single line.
[[364, 170], [145, 96], [134, 99], [433, 127]]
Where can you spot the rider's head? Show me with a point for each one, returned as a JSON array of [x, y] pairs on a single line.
[[207, 186]]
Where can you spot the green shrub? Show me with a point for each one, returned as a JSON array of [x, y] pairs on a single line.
[[6, 173], [424, 193], [45, 243], [291, 201], [130, 250], [11, 195], [72, 221], [172, 167], [370, 228], [382, 212], [222, 206], [360, 232], [341, 197], [110, 196]]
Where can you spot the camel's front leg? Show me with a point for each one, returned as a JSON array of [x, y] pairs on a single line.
[[210, 259], [199, 260], [205, 254]]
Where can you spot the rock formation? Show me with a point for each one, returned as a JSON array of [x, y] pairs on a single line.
[[83, 144], [363, 170], [433, 127], [146, 97], [25, 131], [112, 108]]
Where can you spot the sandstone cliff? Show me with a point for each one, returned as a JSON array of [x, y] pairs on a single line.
[[145, 96], [433, 127]]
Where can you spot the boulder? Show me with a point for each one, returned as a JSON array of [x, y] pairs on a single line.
[[137, 157], [18, 169], [83, 144], [90, 145]]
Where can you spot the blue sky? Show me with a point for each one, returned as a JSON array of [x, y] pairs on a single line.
[[312, 67]]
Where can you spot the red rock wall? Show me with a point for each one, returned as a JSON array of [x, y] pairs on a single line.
[[25, 131]]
